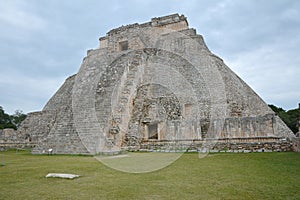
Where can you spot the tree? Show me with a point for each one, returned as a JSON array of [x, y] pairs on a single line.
[[5, 120], [293, 116], [289, 117], [17, 118], [276, 109]]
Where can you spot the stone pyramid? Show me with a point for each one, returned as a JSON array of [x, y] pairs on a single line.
[[155, 87]]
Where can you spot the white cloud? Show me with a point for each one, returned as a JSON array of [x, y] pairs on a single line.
[[41, 40], [26, 93], [272, 71], [14, 15], [291, 14]]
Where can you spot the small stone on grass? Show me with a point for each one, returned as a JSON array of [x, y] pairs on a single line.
[[59, 175]]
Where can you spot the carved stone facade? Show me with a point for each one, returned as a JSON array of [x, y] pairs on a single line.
[[155, 87]]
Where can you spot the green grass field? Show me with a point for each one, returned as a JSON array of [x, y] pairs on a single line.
[[217, 176]]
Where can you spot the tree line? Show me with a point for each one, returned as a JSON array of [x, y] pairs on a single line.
[[11, 121], [290, 117]]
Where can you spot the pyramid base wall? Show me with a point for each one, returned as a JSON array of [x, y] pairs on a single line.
[[16, 145], [296, 144], [258, 144]]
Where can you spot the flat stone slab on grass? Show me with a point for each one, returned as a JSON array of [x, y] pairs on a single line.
[[59, 175]]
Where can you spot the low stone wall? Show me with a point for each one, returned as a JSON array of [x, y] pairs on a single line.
[[262, 144], [16, 145], [10, 138], [296, 144], [9, 135]]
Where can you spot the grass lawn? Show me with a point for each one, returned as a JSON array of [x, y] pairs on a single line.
[[217, 176]]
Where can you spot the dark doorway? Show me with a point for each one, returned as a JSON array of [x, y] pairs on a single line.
[[152, 131], [123, 45]]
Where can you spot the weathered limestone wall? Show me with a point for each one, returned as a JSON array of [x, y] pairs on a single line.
[[61, 136], [10, 138], [8, 135], [242, 145], [133, 33], [53, 127], [32, 130], [296, 144], [37, 125]]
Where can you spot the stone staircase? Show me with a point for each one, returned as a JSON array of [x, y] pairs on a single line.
[[122, 105]]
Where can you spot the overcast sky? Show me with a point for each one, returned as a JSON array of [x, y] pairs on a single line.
[[43, 42]]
